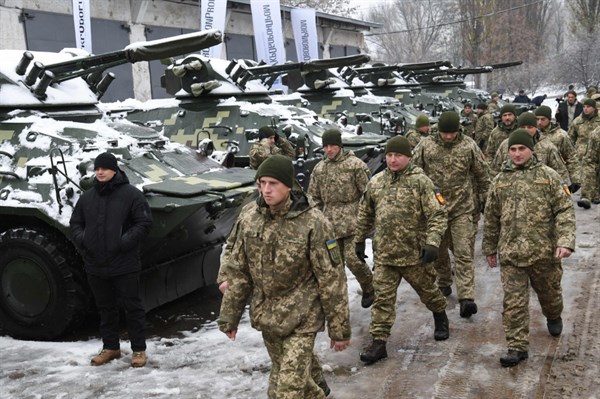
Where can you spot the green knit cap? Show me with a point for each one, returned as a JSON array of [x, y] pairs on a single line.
[[481, 105], [520, 136], [332, 137], [278, 167], [544, 110], [508, 108], [449, 122], [590, 102], [422, 120], [400, 145], [494, 94], [527, 119], [266, 131]]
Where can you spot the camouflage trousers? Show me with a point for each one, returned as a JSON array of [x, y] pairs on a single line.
[[459, 237], [386, 281], [294, 367], [545, 280], [590, 188], [358, 267]]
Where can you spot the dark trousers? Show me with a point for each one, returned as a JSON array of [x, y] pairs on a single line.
[[109, 292]]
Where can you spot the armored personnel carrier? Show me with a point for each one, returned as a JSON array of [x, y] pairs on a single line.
[[51, 130], [220, 105]]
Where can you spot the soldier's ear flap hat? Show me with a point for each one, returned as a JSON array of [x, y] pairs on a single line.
[[422, 120], [266, 131], [481, 105], [449, 122], [508, 108], [590, 102], [544, 111], [400, 145], [332, 137], [520, 136], [106, 160], [527, 119], [278, 167]]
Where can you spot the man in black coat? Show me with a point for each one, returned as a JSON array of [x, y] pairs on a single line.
[[108, 224], [568, 110]]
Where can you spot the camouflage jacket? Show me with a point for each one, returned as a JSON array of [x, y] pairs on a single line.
[[403, 209], [580, 130], [483, 128], [469, 129], [529, 213], [492, 106], [454, 167], [545, 151], [561, 140], [497, 136], [262, 150], [414, 137], [336, 186], [291, 265], [591, 159]]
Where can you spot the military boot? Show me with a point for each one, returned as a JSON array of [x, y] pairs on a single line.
[[376, 351], [512, 358], [467, 308], [446, 291], [324, 387], [441, 331], [554, 326], [138, 359], [368, 298], [584, 203], [105, 356]]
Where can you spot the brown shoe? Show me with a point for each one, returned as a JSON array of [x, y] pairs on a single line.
[[138, 359], [105, 356]]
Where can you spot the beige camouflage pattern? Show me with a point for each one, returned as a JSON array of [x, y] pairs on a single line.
[[545, 277], [387, 279], [402, 208], [282, 259], [580, 131], [492, 106], [528, 214], [292, 359], [497, 136], [469, 129], [483, 128], [545, 151], [567, 152], [336, 187], [263, 149], [590, 184], [414, 137]]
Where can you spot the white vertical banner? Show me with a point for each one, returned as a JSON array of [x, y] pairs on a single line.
[[212, 16], [83, 25], [268, 33], [304, 26]]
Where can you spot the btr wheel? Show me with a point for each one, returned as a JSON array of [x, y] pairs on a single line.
[[40, 294]]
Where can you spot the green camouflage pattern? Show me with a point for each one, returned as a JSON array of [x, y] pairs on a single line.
[[386, 281], [263, 149], [528, 214], [282, 259], [567, 151], [483, 128], [545, 151], [403, 209], [544, 277], [497, 136], [414, 137], [590, 188], [580, 131], [469, 129]]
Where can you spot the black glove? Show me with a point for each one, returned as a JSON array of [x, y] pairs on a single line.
[[482, 207], [429, 253], [573, 188], [359, 249], [276, 138]]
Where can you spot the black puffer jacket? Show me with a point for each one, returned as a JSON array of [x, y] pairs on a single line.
[[562, 114], [108, 224]]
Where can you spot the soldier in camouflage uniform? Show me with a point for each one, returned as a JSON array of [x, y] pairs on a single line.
[[469, 120], [529, 226], [269, 143], [561, 140], [591, 167], [484, 126], [453, 162], [507, 125], [545, 151], [493, 104], [286, 258], [421, 130], [336, 185], [401, 205]]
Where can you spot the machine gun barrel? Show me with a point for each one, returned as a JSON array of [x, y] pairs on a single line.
[[468, 71], [505, 64], [419, 66]]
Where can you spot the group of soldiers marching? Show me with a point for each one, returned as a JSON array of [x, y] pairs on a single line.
[[287, 250]]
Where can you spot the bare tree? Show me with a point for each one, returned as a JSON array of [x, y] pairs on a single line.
[[585, 17], [338, 7]]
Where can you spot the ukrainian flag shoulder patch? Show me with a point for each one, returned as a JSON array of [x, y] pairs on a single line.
[[334, 252]]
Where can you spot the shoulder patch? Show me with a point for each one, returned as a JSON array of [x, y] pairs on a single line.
[[439, 197], [334, 252], [566, 188]]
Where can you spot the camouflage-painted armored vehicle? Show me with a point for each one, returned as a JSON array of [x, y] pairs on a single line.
[[220, 105], [51, 130]]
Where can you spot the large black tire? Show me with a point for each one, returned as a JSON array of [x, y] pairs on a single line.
[[41, 293]]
